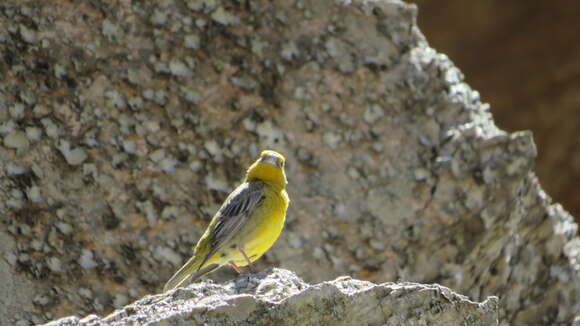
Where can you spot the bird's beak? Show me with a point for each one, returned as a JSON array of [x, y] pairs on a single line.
[[272, 160]]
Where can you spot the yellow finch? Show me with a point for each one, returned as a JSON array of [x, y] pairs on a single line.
[[247, 224]]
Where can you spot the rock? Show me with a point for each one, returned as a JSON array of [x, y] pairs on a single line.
[[396, 169], [55, 265], [22, 291], [17, 140], [87, 260], [179, 68], [279, 297], [192, 41], [65, 228], [224, 17], [33, 133], [74, 156], [27, 34]]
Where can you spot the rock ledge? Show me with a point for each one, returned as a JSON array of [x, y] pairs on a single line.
[[279, 297]]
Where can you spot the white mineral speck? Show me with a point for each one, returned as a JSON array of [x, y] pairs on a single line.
[[17, 140], [54, 264], [179, 69], [87, 260]]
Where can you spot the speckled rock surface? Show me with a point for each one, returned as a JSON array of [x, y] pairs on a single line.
[[279, 297], [124, 125]]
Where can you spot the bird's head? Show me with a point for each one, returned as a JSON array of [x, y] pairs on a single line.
[[269, 167], [273, 158]]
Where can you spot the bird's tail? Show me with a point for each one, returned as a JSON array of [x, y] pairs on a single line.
[[191, 268]]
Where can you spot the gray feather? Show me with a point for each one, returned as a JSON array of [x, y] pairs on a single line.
[[234, 213]]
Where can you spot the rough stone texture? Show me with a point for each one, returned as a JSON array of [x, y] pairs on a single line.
[[279, 297], [125, 124], [531, 44]]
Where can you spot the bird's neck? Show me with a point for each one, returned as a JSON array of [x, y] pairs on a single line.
[[267, 173]]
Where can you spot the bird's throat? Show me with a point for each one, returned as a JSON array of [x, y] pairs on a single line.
[[268, 173]]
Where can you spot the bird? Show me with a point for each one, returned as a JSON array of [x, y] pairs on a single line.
[[247, 224]]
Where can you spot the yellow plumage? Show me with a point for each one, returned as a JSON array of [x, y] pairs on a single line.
[[247, 224]]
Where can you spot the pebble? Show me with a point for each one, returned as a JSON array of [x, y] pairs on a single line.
[[377, 244], [215, 183], [33, 194], [157, 155], [421, 174], [50, 127], [120, 300], [168, 164], [53, 239], [304, 155], [191, 95], [115, 98], [242, 282], [159, 17], [136, 103], [7, 127], [332, 139], [196, 166], [378, 147], [75, 156], [167, 254], [24, 229], [59, 70], [134, 293], [109, 29], [36, 245], [340, 211], [27, 34], [15, 203], [87, 260], [41, 299], [149, 94], [54, 264], [192, 41], [17, 111], [272, 135], [214, 149], [295, 241], [179, 69], [225, 17], [23, 322], [13, 169], [373, 113], [353, 173], [150, 213], [85, 293], [152, 126], [64, 228], [10, 258], [246, 83], [24, 258], [318, 253], [33, 133], [17, 140], [249, 124], [290, 51], [170, 212]]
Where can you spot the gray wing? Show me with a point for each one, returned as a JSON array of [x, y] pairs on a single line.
[[234, 213]]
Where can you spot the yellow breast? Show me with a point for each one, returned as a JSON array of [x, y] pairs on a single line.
[[263, 227]]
